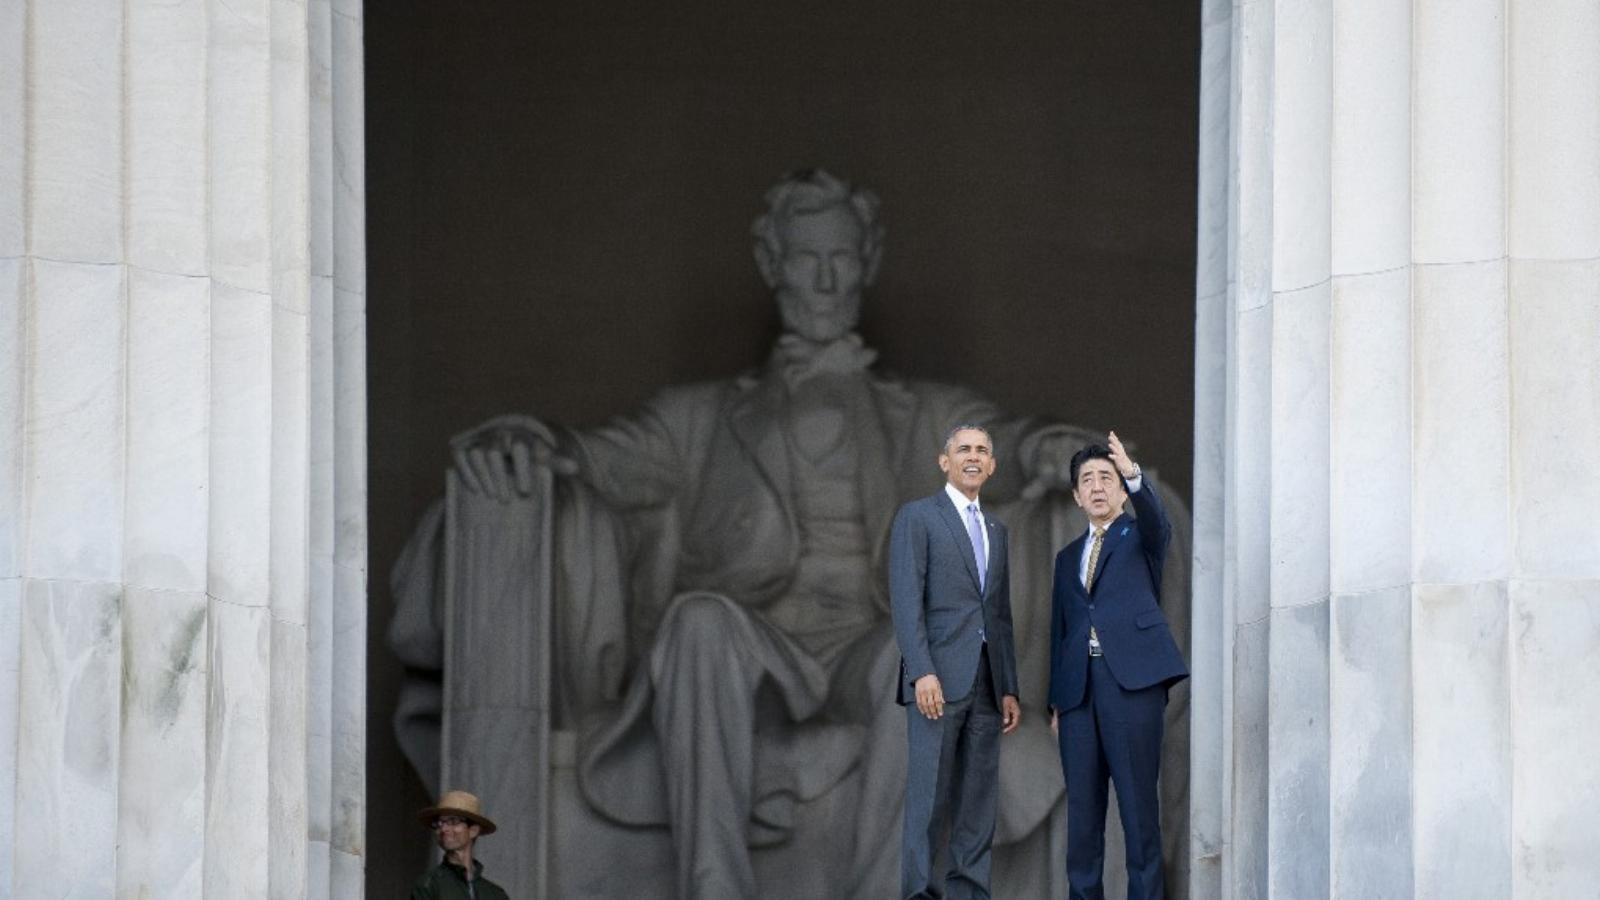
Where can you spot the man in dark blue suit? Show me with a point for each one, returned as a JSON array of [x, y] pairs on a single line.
[[1112, 659], [950, 597]]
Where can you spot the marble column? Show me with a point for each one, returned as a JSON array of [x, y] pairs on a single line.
[[182, 447], [1397, 605]]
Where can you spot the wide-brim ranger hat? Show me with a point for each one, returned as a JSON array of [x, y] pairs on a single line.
[[458, 803]]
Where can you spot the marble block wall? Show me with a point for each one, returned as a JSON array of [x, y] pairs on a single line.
[[182, 449], [1397, 605]]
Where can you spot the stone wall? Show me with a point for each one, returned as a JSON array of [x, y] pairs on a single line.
[[1397, 589], [182, 450]]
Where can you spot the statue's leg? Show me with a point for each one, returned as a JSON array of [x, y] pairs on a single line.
[[709, 658], [863, 691]]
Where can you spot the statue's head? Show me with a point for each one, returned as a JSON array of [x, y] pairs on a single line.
[[818, 246]]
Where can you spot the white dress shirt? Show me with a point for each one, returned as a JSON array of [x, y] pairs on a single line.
[[961, 502], [1134, 484]]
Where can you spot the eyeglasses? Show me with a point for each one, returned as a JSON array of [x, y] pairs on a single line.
[[448, 822]]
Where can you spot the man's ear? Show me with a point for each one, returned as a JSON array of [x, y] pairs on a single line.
[[768, 263]]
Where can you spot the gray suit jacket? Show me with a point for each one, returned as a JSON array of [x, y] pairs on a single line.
[[941, 618]]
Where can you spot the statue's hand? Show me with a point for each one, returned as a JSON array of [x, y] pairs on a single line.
[[1051, 466], [497, 458]]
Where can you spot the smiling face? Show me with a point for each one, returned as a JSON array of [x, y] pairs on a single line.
[[821, 274], [967, 461], [1099, 490], [455, 833]]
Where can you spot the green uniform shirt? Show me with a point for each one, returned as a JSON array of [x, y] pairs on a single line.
[[449, 882]]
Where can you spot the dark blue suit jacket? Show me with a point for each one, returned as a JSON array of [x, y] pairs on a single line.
[[1124, 607], [937, 606]]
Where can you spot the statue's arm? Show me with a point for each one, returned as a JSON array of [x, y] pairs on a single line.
[[416, 636], [633, 461]]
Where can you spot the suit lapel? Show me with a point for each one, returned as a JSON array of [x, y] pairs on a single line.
[[997, 553], [958, 530], [1116, 534]]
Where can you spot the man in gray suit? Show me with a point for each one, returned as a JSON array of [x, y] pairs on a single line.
[[950, 597]]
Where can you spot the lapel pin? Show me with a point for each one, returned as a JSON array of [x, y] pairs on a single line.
[[1124, 532]]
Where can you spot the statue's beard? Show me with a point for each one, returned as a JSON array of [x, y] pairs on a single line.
[[819, 317]]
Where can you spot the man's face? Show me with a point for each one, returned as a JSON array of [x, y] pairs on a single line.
[[820, 275], [1099, 490], [455, 833], [968, 461]]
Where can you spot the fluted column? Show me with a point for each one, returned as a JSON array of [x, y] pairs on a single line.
[[1398, 401], [182, 431]]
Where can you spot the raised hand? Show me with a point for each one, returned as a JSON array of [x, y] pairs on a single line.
[[1119, 456]]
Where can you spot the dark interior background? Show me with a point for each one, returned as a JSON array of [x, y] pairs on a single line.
[[559, 200]]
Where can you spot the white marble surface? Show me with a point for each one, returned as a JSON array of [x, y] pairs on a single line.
[[237, 751], [290, 449], [1250, 169], [350, 432], [161, 783], [1370, 432], [1371, 142], [13, 369], [1555, 418], [348, 875], [67, 747], [1245, 865], [1298, 473], [10, 670], [319, 159], [168, 390], [1554, 129], [1297, 751], [291, 160], [1302, 138], [322, 444], [13, 141], [163, 420], [319, 870], [1249, 529], [74, 461], [1427, 732], [1462, 747], [1461, 416], [241, 444], [287, 833], [319, 708], [239, 92], [1555, 723], [74, 66], [166, 122], [349, 151], [349, 716], [1370, 714], [1458, 130]]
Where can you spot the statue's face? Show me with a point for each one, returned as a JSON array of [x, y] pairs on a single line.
[[820, 278]]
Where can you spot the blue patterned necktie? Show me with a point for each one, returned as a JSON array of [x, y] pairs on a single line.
[[975, 534]]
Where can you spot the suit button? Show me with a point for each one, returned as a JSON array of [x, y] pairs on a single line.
[[1091, 606]]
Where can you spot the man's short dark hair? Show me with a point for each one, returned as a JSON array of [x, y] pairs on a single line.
[[1092, 451], [965, 426]]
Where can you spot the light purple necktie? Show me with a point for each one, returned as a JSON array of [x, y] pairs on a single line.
[[975, 534]]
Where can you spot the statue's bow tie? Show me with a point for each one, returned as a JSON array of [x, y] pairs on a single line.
[[798, 359]]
